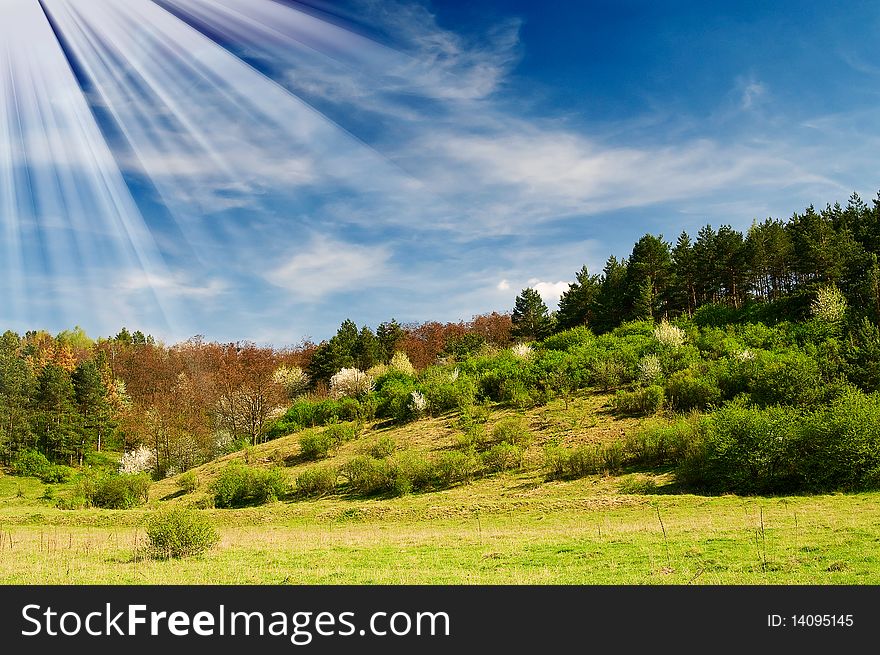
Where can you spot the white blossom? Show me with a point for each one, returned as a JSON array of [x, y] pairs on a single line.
[[400, 362], [418, 402], [139, 460], [522, 350], [829, 305], [350, 383], [650, 369], [669, 335], [744, 355], [293, 379]]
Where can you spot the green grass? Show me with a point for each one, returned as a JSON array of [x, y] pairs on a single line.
[[509, 528]]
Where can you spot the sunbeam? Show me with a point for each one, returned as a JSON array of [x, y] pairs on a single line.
[[224, 146], [71, 228]]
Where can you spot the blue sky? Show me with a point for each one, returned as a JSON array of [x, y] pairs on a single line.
[[251, 169]]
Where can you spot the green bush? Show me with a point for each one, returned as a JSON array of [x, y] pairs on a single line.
[[57, 474], [316, 481], [661, 445], [188, 482], [116, 491], [474, 439], [239, 486], [569, 339], [367, 475], [470, 417], [571, 463], [607, 373], [383, 447], [409, 472], [30, 463], [454, 467], [787, 378], [342, 432], [393, 393], [514, 431], [503, 457], [687, 390], [639, 402], [447, 391], [316, 445], [637, 483], [180, 532]]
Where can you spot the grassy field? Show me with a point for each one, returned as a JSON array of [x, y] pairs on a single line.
[[510, 528]]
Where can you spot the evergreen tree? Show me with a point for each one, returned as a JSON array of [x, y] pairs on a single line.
[[368, 351], [577, 305], [648, 275], [94, 407], [531, 318], [389, 334], [682, 297], [610, 301], [57, 422]]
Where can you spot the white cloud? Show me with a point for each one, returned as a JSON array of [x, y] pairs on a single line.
[[752, 93], [550, 292], [326, 266], [504, 285], [169, 286]]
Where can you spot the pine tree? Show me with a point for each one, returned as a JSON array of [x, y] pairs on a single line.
[[611, 297], [577, 305], [368, 351], [389, 334], [531, 318]]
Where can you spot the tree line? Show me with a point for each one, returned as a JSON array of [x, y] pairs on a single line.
[[778, 263]]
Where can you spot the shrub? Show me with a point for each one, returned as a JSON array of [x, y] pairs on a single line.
[[239, 486], [316, 481], [446, 393], [383, 447], [393, 395], [564, 341], [637, 483], [454, 467], [180, 532], [138, 460], [416, 405], [411, 472], [503, 457], [315, 445], [578, 462], [787, 378], [367, 475], [829, 305], [661, 445], [744, 450], [57, 474], [400, 362], [292, 379], [521, 350], [30, 463], [640, 402], [116, 491], [350, 383], [607, 373], [689, 390], [473, 439], [669, 335], [514, 431], [473, 416], [650, 369], [188, 482]]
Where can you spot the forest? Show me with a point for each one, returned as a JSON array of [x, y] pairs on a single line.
[[760, 350]]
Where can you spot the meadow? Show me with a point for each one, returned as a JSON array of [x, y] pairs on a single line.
[[514, 527]]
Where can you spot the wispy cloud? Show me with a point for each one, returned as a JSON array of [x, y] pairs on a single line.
[[326, 266]]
